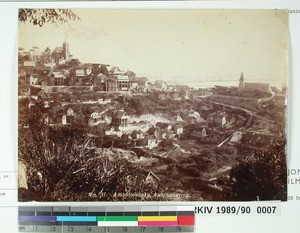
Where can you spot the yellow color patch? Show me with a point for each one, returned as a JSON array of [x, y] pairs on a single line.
[[157, 218]]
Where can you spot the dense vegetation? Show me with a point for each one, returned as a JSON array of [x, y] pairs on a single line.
[[72, 171], [77, 162], [263, 177]]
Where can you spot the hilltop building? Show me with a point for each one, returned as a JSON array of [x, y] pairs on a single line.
[[35, 55], [61, 53], [252, 86], [115, 71], [111, 85], [123, 82]]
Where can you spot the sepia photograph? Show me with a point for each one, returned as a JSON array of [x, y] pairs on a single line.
[[152, 105]]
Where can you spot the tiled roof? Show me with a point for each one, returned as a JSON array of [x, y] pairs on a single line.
[[120, 114], [58, 75], [159, 82], [29, 63], [58, 50], [36, 53], [114, 69]]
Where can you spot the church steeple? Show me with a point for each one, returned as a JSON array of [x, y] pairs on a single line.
[[66, 52], [242, 83]]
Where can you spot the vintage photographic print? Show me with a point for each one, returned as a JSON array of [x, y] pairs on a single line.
[[152, 105]]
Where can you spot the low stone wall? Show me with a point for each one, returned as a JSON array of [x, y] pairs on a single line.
[[248, 103], [65, 89]]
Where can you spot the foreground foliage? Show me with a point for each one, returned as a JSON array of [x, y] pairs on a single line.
[[264, 177], [78, 172]]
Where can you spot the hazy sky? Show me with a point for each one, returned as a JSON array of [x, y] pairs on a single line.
[[174, 44]]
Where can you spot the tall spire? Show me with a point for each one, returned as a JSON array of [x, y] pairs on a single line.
[[66, 50], [241, 83], [242, 77]]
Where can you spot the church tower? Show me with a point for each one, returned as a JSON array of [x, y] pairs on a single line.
[[242, 83], [66, 52]]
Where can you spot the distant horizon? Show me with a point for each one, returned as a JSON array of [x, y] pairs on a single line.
[[178, 45], [232, 83]]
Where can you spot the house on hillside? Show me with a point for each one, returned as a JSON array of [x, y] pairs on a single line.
[[31, 103], [101, 118], [153, 131], [42, 70], [95, 114], [44, 82], [103, 69], [64, 120], [178, 129], [70, 112], [45, 97], [56, 78], [98, 80], [80, 76], [120, 118], [151, 141], [157, 133], [111, 85], [35, 55], [151, 178], [29, 67], [33, 79], [161, 85], [137, 134], [164, 130], [138, 83], [123, 82], [45, 119], [134, 85], [200, 132], [130, 74], [115, 71], [142, 81], [163, 126], [93, 121], [217, 120], [88, 69]]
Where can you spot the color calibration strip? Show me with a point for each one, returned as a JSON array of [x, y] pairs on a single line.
[[107, 219]]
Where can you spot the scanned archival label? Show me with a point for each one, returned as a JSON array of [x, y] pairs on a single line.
[[152, 105]]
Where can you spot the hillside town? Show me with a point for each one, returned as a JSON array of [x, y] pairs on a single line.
[[181, 142]]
